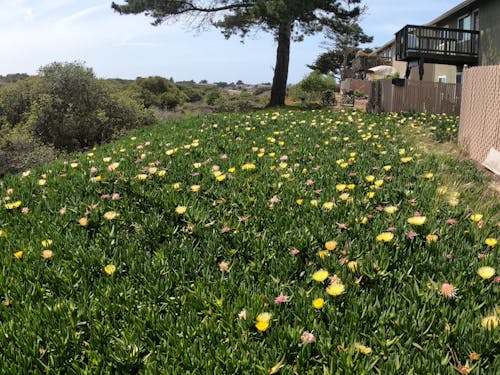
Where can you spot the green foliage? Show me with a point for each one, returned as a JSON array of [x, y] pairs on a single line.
[[313, 86], [238, 103], [158, 92], [263, 192], [20, 150], [73, 110]]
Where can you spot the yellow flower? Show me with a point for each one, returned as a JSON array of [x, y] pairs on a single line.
[[441, 190], [232, 170], [221, 177], [18, 254], [370, 194], [195, 188], [318, 303], [428, 175], [314, 202], [176, 186], [320, 275], [486, 272], [491, 242], [152, 170], [335, 289], [113, 166], [370, 178], [110, 215], [248, 166], [47, 254], [83, 221], [390, 209], [490, 322], [42, 182], [363, 349], [386, 168], [453, 202], [353, 265], [106, 159], [331, 245], [344, 197], [430, 238], [328, 206], [110, 269], [197, 165], [406, 159], [262, 326], [417, 220], [74, 165], [11, 206], [378, 183], [385, 237], [476, 217], [162, 173], [340, 187], [300, 201], [364, 220], [264, 317], [323, 253], [181, 210], [46, 243]]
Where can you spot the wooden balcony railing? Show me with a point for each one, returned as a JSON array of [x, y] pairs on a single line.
[[437, 45]]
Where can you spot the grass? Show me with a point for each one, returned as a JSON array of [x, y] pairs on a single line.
[[168, 248]]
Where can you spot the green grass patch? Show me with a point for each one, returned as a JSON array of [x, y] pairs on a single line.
[[162, 252]]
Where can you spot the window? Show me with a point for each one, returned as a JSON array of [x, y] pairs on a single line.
[[464, 23], [442, 79]]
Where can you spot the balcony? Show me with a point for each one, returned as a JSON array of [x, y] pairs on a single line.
[[437, 45]]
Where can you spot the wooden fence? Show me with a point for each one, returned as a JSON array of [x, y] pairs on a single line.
[[400, 95]]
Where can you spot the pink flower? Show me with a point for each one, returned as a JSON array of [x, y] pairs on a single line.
[[309, 182], [280, 299], [274, 199], [307, 338], [25, 210], [105, 196], [62, 210], [334, 279], [352, 174], [416, 213], [480, 224], [481, 256], [451, 221], [342, 226], [115, 196], [225, 229], [223, 266], [391, 229], [388, 178], [496, 280], [379, 208], [195, 174], [294, 251], [93, 170], [223, 157], [449, 256], [283, 158], [411, 235]]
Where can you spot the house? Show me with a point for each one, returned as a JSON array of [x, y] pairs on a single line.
[[466, 35]]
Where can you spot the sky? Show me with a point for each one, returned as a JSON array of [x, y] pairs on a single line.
[[34, 33]]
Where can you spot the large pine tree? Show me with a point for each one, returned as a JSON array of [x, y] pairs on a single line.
[[286, 20]]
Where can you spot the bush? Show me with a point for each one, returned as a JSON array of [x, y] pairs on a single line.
[[159, 92], [20, 150], [74, 110], [313, 86]]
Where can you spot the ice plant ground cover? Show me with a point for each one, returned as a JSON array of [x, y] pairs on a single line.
[[292, 241]]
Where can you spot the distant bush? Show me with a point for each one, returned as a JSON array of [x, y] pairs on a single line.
[[158, 92], [74, 110], [313, 86], [20, 150], [239, 103]]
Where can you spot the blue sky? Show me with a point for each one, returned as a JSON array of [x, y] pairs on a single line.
[[34, 33]]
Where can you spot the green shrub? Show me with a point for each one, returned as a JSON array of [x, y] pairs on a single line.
[[74, 110], [20, 150]]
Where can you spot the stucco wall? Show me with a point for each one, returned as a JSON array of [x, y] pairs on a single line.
[[480, 113]]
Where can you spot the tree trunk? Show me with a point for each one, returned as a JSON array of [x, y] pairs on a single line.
[[278, 91]]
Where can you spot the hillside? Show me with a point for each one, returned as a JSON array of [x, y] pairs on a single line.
[[295, 241]]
